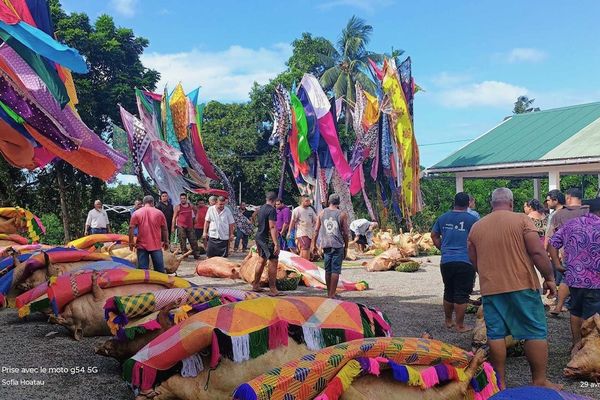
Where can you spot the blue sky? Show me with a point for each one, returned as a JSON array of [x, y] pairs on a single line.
[[473, 58]]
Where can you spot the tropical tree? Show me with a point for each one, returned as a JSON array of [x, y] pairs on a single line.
[[524, 105], [348, 63]]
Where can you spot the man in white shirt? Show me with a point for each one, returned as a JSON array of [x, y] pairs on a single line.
[[97, 220], [304, 220], [362, 233], [219, 226]]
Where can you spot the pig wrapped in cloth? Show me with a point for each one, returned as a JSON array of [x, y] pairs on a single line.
[[70, 286], [218, 267], [20, 220], [11, 239], [130, 315], [23, 248], [585, 358], [88, 242], [36, 299], [408, 368], [248, 329], [386, 260], [313, 276], [251, 263]]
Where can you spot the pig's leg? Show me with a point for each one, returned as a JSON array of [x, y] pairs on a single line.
[[97, 291]]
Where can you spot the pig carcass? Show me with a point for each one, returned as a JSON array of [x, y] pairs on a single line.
[[514, 347], [585, 358], [171, 260], [223, 380], [251, 262], [84, 316], [386, 260], [218, 267]]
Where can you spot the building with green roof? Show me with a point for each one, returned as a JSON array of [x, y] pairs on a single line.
[[533, 145]]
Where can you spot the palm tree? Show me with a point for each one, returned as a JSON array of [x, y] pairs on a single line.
[[348, 64], [524, 105]]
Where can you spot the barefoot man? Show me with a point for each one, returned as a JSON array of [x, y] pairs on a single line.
[[504, 247], [267, 244], [449, 234]]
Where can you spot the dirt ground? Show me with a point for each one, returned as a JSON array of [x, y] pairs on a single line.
[[57, 367]]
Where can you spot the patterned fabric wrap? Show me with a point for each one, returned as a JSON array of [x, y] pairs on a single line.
[[13, 237], [282, 118], [313, 276], [264, 323], [23, 248], [89, 241], [179, 112], [341, 189], [331, 370], [66, 117], [137, 137], [36, 299], [129, 315], [405, 73], [167, 122], [68, 287], [24, 222]]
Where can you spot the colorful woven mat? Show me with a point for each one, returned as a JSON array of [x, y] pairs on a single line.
[[248, 329], [68, 287], [24, 221], [126, 314], [313, 276], [327, 373], [89, 241]]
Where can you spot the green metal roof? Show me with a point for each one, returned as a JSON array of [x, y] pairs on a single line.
[[568, 132]]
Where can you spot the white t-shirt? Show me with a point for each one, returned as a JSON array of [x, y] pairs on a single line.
[[218, 228], [306, 219], [97, 219]]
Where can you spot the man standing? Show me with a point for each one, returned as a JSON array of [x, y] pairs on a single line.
[[449, 234], [284, 217], [212, 200], [267, 244], [219, 226], [573, 209], [332, 229], [183, 220], [165, 206], [362, 233], [580, 240], [201, 211], [239, 234], [152, 232], [97, 220], [471, 209], [304, 219], [137, 204], [504, 247]]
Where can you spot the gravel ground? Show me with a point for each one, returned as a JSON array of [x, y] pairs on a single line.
[[72, 371]]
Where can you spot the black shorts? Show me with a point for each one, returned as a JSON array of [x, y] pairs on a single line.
[[584, 302], [458, 278], [266, 250], [362, 239]]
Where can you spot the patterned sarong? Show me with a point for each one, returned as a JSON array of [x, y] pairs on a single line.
[[327, 373], [248, 329]]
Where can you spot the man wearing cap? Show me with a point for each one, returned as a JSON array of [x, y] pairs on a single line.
[[580, 240]]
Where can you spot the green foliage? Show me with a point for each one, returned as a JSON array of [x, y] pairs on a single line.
[[524, 105], [54, 229]]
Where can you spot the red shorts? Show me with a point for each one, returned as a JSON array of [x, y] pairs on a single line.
[[304, 242]]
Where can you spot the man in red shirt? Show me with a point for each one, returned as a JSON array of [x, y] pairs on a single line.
[[201, 210], [152, 233], [183, 220]]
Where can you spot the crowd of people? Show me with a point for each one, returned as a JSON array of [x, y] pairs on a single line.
[[509, 251]]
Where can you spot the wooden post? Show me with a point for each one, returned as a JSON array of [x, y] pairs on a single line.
[[553, 180], [459, 183], [537, 188]]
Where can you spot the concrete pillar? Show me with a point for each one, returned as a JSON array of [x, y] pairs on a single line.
[[459, 183], [537, 188], [553, 180]]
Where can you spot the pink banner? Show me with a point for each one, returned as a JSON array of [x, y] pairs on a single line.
[[329, 133]]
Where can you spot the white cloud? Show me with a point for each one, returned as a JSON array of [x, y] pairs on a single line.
[[486, 93], [126, 8], [448, 79], [523, 54], [225, 75], [365, 5]]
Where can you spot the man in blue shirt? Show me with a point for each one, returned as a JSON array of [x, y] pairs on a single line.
[[449, 234]]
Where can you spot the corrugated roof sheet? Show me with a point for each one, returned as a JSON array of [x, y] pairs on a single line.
[[530, 137]]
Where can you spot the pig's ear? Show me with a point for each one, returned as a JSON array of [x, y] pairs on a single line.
[[78, 334]]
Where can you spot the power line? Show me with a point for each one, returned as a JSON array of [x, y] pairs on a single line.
[[449, 142]]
